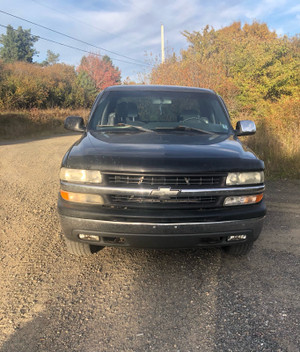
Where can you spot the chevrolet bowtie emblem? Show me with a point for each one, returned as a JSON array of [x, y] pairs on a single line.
[[164, 192]]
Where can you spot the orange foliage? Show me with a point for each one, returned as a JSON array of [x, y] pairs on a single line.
[[101, 71], [26, 85]]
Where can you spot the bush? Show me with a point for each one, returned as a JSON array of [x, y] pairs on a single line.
[[27, 86]]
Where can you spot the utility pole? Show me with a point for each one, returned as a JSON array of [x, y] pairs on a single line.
[[162, 44]]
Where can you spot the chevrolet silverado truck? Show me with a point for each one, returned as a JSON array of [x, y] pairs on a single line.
[[160, 167]]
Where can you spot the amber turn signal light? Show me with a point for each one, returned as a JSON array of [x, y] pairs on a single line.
[[81, 197], [243, 200]]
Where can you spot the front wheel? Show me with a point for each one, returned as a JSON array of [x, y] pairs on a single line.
[[238, 249], [81, 249]]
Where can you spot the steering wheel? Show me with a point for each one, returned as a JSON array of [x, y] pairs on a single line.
[[192, 118], [198, 118]]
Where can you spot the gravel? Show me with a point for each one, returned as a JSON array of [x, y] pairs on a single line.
[[134, 299]]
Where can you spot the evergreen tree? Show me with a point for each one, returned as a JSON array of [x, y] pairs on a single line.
[[17, 45], [51, 59], [85, 90]]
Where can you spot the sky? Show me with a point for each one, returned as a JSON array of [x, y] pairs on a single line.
[[129, 31]]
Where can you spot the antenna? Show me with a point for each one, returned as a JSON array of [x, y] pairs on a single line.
[[162, 44]]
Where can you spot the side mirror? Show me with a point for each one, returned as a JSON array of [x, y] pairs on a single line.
[[245, 128], [74, 123]]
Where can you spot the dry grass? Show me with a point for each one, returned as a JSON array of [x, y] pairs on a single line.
[[35, 122], [280, 152], [279, 149], [277, 140]]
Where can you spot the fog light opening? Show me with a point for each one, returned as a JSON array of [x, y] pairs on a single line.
[[86, 237], [236, 238], [114, 240]]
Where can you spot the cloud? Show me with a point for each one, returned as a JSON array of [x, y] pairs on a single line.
[[293, 10]]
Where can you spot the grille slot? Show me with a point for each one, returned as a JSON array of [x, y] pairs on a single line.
[[168, 180], [172, 202]]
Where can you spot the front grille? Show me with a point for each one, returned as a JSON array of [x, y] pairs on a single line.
[[167, 180], [171, 202]]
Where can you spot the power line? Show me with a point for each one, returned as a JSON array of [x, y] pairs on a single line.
[[73, 38], [75, 48], [74, 18]]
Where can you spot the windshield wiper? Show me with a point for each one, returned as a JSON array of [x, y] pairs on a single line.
[[184, 128], [115, 129]]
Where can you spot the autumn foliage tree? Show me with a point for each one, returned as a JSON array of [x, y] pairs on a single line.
[[247, 65], [257, 73], [100, 70]]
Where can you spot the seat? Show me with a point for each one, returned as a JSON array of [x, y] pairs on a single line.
[[121, 113], [111, 119], [167, 114], [132, 114]]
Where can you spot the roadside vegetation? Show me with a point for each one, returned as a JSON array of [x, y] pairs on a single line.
[[256, 71], [35, 98]]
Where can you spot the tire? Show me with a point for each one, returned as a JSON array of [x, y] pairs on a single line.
[[238, 249], [81, 249]]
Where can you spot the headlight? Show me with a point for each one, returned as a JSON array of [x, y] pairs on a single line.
[[244, 178], [82, 176]]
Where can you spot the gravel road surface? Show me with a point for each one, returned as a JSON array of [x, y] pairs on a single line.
[[133, 299]]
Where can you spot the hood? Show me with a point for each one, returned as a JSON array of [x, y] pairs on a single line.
[[172, 152]]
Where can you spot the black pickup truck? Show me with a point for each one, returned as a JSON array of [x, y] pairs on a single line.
[[160, 167]]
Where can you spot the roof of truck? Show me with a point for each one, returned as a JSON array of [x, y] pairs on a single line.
[[158, 88]]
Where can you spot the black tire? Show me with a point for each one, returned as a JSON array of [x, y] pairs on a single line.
[[238, 249], [81, 249]]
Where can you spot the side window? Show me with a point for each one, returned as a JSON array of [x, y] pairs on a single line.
[[224, 105]]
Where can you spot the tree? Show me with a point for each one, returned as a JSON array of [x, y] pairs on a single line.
[[129, 82], [85, 90], [100, 70], [107, 59], [51, 59], [17, 45]]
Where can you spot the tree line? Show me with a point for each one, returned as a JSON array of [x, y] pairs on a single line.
[[25, 84]]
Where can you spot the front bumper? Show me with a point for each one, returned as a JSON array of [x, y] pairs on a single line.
[[161, 235]]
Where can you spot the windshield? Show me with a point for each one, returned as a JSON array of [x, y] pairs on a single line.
[[159, 110]]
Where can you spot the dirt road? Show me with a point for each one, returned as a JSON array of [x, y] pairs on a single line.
[[137, 300]]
